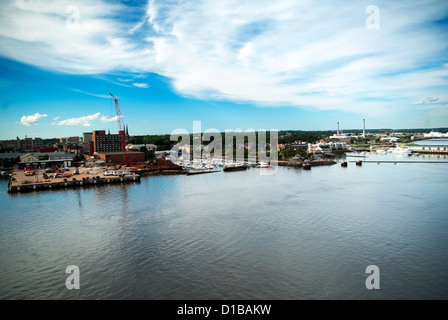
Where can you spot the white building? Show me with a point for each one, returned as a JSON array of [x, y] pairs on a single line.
[[391, 139], [343, 136], [435, 134], [323, 147]]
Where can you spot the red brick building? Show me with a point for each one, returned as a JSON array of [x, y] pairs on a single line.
[[103, 142], [117, 157]]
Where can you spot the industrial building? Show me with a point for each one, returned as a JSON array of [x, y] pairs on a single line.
[[55, 159], [117, 157]]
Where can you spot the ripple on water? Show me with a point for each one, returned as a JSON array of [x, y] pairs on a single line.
[[294, 235]]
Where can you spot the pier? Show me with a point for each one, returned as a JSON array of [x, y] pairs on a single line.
[[20, 182], [192, 173], [236, 168], [398, 161]]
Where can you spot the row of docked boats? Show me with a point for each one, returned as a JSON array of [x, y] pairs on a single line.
[[5, 174], [213, 164]]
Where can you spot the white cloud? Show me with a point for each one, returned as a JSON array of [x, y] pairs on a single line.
[[107, 119], [81, 121], [305, 54], [32, 119], [56, 118], [428, 100], [141, 85], [86, 121]]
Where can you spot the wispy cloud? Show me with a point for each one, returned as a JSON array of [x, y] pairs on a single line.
[[104, 96], [140, 85], [428, 100], [306, 54], [32, 119]]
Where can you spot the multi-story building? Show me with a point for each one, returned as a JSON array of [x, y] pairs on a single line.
[[103, 142], [87, 136], [69, 140], [11, 144], [25, 145], [87, 143], [326, 147], [37, 144]]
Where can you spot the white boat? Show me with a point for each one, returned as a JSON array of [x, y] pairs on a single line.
[[399, 151], [263, 164]]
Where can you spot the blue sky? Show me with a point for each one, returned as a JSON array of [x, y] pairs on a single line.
[[301, 65]]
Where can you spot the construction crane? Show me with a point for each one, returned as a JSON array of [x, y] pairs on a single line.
[[120, 129]]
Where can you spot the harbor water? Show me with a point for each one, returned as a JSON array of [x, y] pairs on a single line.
[[295, 234]]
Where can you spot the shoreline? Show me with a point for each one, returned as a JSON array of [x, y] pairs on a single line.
[[306, 163]]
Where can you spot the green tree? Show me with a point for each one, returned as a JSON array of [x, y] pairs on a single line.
[[5, 163], [136, 140], [150, 155], [78, 157]]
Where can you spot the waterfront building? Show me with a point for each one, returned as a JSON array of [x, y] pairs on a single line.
[[326, 147], [434, 149], [117, 157], [55, 159], [435, 134]]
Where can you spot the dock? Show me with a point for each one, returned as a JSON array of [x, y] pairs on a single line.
[[236, 168], [399, 161], [19, 182], [192, 173]]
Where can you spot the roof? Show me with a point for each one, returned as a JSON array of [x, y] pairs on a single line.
[[140, 145], [55, 160], [119, 153], [428, 145]]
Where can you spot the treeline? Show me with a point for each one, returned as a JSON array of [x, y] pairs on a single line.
[[161, 141]]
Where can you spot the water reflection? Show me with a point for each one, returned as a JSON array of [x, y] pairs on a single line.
[[293, 235]]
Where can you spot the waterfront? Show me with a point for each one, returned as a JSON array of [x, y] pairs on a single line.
[[296, 234]]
